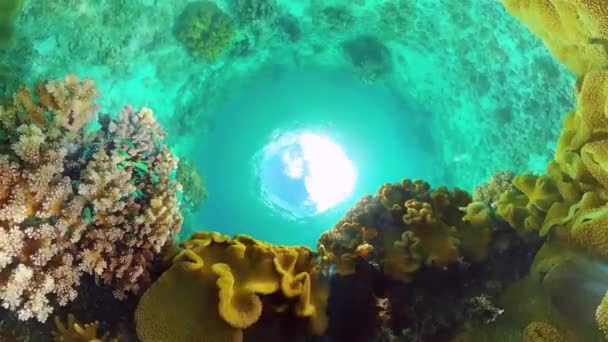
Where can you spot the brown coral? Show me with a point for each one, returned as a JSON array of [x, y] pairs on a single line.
[[214, 288], [413, 227]]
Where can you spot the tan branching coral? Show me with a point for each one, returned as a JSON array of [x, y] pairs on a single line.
[[409, 227], [215, 289], [105, 206]]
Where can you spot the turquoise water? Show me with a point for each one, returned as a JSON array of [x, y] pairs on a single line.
[[331, 102]]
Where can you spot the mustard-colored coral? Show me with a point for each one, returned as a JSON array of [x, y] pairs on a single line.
[[572, 30], [204, 29], [601, 316], [409, 227], [540, 331], [214, 289]]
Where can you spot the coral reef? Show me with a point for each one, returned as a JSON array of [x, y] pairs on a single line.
[[76, 201], [194, 192], [370, 58], [204, 30], [409, 227], [218, 287]]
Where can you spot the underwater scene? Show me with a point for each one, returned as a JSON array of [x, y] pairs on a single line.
[[304, 170]]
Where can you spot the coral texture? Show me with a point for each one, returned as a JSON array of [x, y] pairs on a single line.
[[576, 32], [217, 287], [409, 227], [204, 30], [73, 202]]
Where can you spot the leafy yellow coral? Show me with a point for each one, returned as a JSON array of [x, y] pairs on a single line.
[[73, 331], [215, 285], [204, 29], [574, 31]]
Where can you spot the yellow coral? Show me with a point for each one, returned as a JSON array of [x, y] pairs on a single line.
[[73, 331], [572, 30], [539, 331], [601, 316], [228, 276]]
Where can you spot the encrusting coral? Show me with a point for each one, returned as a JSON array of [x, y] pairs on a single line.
[[204, 30], [409, 227], [74, 201], [217, 287]]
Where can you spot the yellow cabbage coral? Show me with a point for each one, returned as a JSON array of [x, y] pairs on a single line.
[[215, 285], [574, 31]]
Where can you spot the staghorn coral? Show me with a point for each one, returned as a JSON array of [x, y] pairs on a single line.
[[204, 30], [217, 287], [569, 29], [409, 227], [74, 331], [75, 202]]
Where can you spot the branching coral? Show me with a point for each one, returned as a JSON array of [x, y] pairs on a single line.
[[217, 287], [204, 30], [409, 227], [71, 202]]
